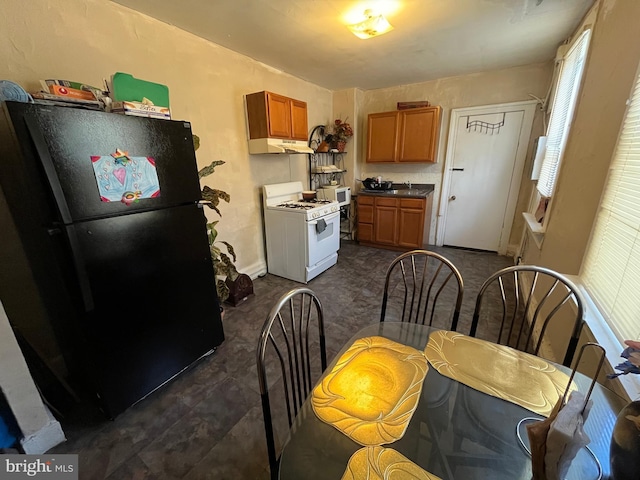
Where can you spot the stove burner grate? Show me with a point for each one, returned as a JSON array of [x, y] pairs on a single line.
[[306, 205], [299, 206]]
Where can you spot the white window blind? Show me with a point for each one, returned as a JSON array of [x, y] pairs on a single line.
[[611, 268], [562, 111]]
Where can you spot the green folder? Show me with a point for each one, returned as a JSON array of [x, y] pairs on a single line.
[[128, 88]]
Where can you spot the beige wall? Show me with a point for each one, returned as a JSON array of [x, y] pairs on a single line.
[[89, 40], [608, 77], [502, 86]]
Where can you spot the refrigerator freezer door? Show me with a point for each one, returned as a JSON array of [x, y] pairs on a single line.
[[155, 305], [67, 142]]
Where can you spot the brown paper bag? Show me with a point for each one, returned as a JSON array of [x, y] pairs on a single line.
[[537, 433]]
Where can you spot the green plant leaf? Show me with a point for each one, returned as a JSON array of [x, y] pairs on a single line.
[[212, 233], [227, 262], [209, 169], [196, 142], [213, 197], [231, 250], [222, 265], [223, 290]]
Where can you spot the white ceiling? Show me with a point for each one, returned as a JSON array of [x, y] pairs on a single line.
[[431, 39]]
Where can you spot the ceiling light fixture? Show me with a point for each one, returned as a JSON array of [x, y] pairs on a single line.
[[372, 26]]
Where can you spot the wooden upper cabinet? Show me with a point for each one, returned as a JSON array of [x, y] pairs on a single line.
[[299, 128], [270, 115], [404, 136], [418, 138], [278, 115], [382, 135]]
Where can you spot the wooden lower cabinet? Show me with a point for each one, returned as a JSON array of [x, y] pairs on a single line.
[[410, 227], [393, 222], [385, 223]]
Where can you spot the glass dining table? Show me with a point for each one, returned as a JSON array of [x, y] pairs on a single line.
[[454, 431]]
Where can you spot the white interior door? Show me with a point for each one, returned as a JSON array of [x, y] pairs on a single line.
[[486, 152]]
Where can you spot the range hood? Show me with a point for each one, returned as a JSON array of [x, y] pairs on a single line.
[[278, 145]]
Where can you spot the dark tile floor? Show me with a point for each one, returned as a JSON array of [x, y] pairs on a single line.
[[207, 424]]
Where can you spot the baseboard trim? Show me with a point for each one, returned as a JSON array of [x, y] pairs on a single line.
[[254, 270], [44, 439]]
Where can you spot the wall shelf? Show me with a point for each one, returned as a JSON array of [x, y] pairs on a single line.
[[324, 167]]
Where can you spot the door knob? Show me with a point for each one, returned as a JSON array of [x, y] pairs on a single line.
[[452, 197]]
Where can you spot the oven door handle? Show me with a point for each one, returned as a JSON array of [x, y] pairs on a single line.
[[328, 217]]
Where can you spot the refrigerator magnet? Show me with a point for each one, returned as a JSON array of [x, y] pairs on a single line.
[[126, 179]]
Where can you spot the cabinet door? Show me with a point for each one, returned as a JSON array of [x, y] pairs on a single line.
[[411, 226], [382, 137], [418, 137], [385, 225], [365, 232], [279, 115], [299, 128]]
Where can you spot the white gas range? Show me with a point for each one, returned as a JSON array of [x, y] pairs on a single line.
[[303, 238]]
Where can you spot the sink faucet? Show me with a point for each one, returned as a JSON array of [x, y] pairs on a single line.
[[408, 184]]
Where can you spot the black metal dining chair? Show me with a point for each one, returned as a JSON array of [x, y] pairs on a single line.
[[526, 299], [290, 334], [522, 302], [421, 284]]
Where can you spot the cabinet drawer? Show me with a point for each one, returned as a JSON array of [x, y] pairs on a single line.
[[412, 203], [365, 200], [386, 202], [365, 213]]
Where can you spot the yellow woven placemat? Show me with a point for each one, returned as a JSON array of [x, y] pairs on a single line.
[[372, 391], [497, 370], [378, 463]]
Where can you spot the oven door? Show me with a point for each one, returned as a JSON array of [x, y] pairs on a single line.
[[321, 243]]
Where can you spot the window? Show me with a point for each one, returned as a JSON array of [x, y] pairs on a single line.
[[562, 111], [611, 268]]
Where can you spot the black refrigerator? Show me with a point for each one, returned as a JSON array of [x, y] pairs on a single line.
[[101, 215]]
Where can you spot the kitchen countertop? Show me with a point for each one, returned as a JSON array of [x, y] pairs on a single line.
[[418, 190]]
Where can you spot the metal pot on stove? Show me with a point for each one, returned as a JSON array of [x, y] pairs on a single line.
[[376, 184]]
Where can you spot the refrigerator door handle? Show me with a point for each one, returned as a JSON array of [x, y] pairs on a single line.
[[81, 271], [50, 171]]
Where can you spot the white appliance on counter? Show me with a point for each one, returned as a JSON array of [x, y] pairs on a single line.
[[340, 194], [303, 238]]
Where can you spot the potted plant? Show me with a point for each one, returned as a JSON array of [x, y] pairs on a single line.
[[340, 133], [236, 286]]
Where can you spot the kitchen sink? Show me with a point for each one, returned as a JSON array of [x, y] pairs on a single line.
[[409, 192]]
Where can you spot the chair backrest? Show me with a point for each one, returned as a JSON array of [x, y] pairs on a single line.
[[525, 298], [288, 332], [421, 284]]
